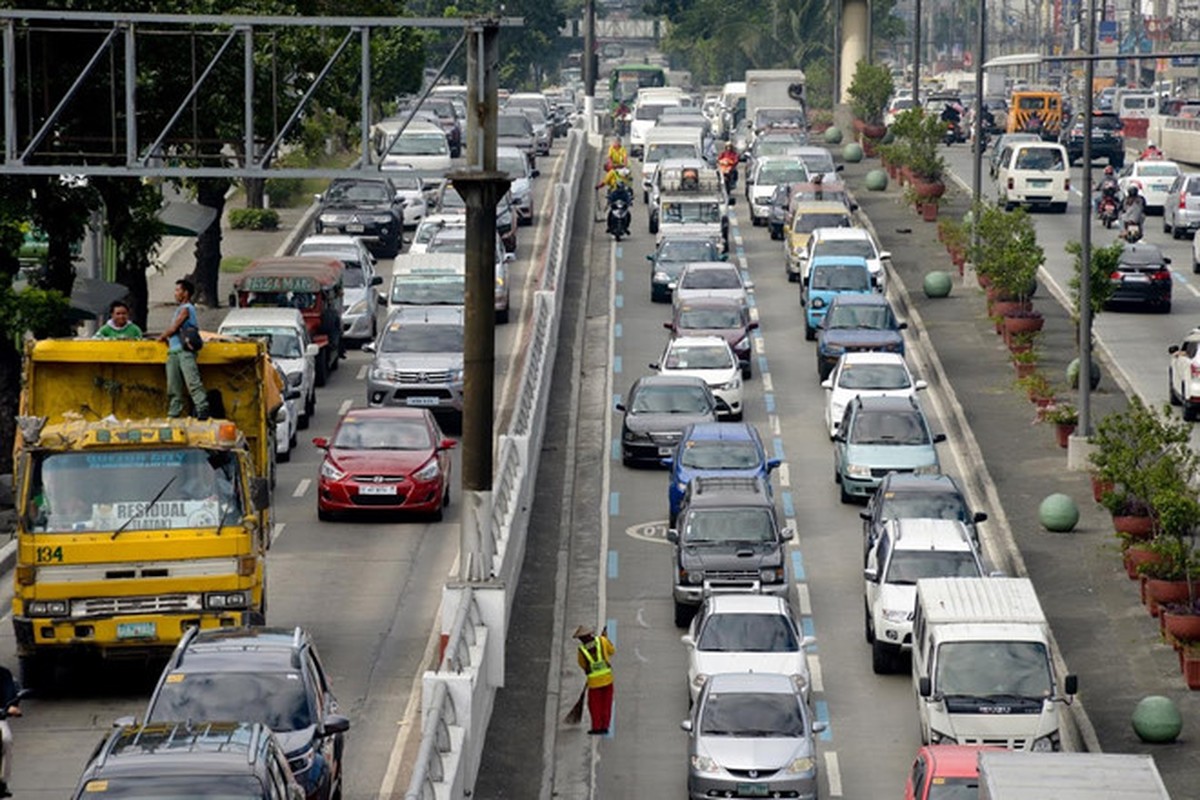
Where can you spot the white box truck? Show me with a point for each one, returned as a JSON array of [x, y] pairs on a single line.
[[776, 97], [1068, 776], [982, 667]]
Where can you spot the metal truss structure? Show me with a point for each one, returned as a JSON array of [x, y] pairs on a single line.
[[147, 156]]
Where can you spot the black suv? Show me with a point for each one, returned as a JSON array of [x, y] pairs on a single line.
[[268, 675], [904, 495], [727, 539], [170, 760], [368, 207], [1107, 141]]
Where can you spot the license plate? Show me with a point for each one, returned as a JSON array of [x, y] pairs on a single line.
[[137, 630], [376, 489], [1039, 184], [666, 451], [1137, 278], [421, 401], [1160, 187], [752, 790], [354, 229]]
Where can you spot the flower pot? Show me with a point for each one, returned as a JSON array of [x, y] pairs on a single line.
[[1024, 368], [1191, 667], [1100, 487], [1181, 626], [1003, 308], [1023, 323], [1062, 433], [1163, 592], [929, 212], [1134, 526], [927, 189], [1134, 556]]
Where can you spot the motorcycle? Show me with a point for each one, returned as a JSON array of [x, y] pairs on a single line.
[[1132, 232], [1109, 209], [618, 215], [729, 174]]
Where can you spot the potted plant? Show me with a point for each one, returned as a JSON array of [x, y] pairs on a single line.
[[1023, 342], [1024, 361], [869, 92], [1064, 416], [923, 134], [1038, 387], [1171, 579]]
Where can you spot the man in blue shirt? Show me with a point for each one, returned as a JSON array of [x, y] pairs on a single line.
[[183, 376]]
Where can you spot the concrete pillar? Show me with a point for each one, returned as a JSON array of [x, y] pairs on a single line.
[[856, 32]]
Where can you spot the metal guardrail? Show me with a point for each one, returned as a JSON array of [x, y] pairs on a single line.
[[449, 751]]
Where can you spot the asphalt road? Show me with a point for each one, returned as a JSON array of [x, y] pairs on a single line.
[[368, 590]]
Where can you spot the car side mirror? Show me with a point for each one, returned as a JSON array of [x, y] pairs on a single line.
[[839, 168], [688, 640], [686, 725], [510, 258], [669, 326], [865, 515], [749, 284], [368, 347], [233, 303], [376, 280], [1071, 684], [773, 463], [124, 722], [260, 493], [752, 326], [980, 516], [320, 198], [854, 206], [447, 444], [535, 173], [667, 462], [335, 723], [311, 350], [938, 438], [724, 257], [827, 383], [885, 255], [924, 687], [819, 725], [381, 300], [871, 574], [619, 406], [653, 365], [673, 536], [650, 258], [1173, 349], [321, 442], [903, 326], [919, 385], [787, 534], [838, 437], [1166, 259]]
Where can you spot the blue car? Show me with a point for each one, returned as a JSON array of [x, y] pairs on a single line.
[[857, 322], [827, 278], [724, 449]]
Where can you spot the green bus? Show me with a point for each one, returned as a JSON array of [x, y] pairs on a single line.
[[625, 80]]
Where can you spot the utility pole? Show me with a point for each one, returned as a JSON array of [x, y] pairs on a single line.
[[589, 66], [480, 186]]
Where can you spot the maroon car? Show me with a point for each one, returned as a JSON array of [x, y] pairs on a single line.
[[717, 316], [385, 459]]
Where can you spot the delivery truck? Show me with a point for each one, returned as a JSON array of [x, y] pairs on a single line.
[[776, 97]]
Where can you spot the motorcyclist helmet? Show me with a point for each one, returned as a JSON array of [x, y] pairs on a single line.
[[1108, 170], [1133, 191]]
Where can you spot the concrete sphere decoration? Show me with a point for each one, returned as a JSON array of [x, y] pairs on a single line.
[[1058, 513], [1156, 719], [876, 180], [833, 135], [937, 284], [852, 153], [1073, 374]]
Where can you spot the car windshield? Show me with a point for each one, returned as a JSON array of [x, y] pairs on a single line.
[[923, 505], [281, 343], [659, 152], [775, 715], [889, 427], [806, 222], [710, 319], [515, 165], [717, 454], [382, 434], [402, 338], [819, 162], [357, 192], [215, 786], [871, 317], [785, 172], [429, 290], [699, 357], [748, 633], [419, 144], [845, 247], [686, 250], [649, 112], [840, 278], [710, 279], [513, 125], [448, 244], [728, 525], [1158, 170], [909, 566], [407, 182], [275, 699], [980, 669], [877, 377], [670, 400]]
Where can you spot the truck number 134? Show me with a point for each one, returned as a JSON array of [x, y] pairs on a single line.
[[48, 554]]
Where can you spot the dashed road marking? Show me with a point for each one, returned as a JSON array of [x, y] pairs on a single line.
[[785, 474], [277, 530], [833, 772], [616, 365], [816, 677], [613, 565], [302, 487], [803, 599], [767, 384], [345, 406], [798, 567], [362, 372], [773, 424]]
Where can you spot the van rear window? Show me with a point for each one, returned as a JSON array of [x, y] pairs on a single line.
[[1042, 158]]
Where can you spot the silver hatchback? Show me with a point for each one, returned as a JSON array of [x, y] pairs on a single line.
[[1181, 212], [751, 735]]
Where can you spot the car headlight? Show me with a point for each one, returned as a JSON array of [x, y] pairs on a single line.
[[295, 378], [455, 375], [302, 761], [499, 281], [327, 219], [729, 386], [858, 471], [358, 308], [48, 608], [695, 577], [1045, 744], [635, 436], [817, 302], [699, 680], [928, 469], [801, 765], [770, 574], [380, 374], [837, 411], [937, 737], [380, 219], [832, 350], [329, 470], [704, 764], [429, 471], [680, 486], [799, 682], [661, 277], [220, 600], [896, 614]]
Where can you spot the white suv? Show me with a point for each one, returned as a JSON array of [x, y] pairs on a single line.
[[906, 551]]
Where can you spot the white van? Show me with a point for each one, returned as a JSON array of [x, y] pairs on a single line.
[[732, 95], [982, 665], [1034, 173], [422, 146], [1135, 104], [428, 279], [646, 110]]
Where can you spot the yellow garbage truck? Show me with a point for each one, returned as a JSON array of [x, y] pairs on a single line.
[[132, 526]]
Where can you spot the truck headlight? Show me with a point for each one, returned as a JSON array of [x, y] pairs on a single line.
[[817, 302], [801, 765], [379, 374], [799, 682], [858, 471], [455, 375], [928, 469], [221, 600], [937, 737], [694, 577], [699, 680], [48, 608], [770, 574]]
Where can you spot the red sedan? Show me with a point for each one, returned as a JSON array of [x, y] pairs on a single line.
[[385, 459]]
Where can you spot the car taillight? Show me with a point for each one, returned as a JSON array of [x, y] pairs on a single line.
[[1010, 183], [1183, 199], [1066, 184], [1195, 370], [1115, 275], [1161, 275]]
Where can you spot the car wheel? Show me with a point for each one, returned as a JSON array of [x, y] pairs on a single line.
[[502, 317], [310, 408], [1058, 208], [305, 419], [646, 198], [322, 369], [793, 277], [882, 658], [1190, 411], [843, 495], [1009, 206], [392, 248], [747, 372], [653, 224], [286, 455], [1116, 162], [438, 514], [683, 615], [870, 634], [1165, 308], [1178, 233], [1196, 264], [1166, 225], [325, 516], [810, 333], [736, 417]]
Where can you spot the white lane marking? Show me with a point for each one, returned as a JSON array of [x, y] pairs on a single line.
[[344, 407], [773, 421], [302, 487], [803, 600], [277, 530], [362, 372], [785, 475], [641, 617], [754, 313], [768, 385], [834, 772], [760, 346], [816, 678]]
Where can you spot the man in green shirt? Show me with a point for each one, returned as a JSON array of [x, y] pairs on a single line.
[[119, 325]]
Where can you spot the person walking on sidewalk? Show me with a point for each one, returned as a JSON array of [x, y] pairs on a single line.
[[183, 376], [119, 325], [595, 659]]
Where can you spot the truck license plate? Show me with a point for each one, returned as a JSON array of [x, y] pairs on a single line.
[[421, 401], [373, 489], [137, 630]]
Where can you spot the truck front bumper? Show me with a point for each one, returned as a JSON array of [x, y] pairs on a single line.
[[127, 635]]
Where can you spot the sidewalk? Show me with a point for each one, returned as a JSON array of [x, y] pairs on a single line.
[[1106, 636], [178, 258]]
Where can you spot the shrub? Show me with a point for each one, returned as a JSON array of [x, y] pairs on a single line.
[[254, 219]]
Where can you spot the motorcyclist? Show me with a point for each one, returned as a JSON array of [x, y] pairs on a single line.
[[618, 156], [1108, 187], [1133, 210], [727, 163], [1151, 152], [8, 698], [619, 182]]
